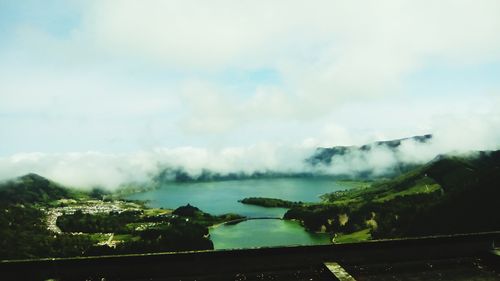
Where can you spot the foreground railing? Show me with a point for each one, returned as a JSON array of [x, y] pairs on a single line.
[[213, 265]]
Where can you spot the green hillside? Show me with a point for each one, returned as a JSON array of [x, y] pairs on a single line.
[[36, 223], [471, 192], [451, 194], [32, 188]]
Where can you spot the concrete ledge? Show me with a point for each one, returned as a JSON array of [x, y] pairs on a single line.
[[129, 267]]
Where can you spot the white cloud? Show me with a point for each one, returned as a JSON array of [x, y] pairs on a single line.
[[226, 32], [326, 54], [88, 169], [452, 134]]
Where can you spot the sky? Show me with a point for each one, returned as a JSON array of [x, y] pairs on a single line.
[[128, 77]]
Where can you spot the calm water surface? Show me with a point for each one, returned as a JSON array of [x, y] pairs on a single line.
[[264, 233], [222, 197]]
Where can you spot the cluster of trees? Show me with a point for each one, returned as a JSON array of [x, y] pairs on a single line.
[[177, 235], [189, 211], [100, 222], [24, 235], [202, 218], [329, 218]]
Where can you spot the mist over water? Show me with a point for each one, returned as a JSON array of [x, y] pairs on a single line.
[[90, 169]]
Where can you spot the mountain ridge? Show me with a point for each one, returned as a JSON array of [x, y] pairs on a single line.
[[324, 155], [321, 157]]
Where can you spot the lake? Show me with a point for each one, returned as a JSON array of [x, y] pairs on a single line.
[[222, 197], [264, 233]]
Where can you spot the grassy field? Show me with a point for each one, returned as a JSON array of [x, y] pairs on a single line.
[[98, 237], [126, 237], [354, 183], [358, 236], [156, 212], [349, 196], [419, 188]]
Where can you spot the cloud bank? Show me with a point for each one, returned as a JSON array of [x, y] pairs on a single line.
[[326, 53], [88, 169]]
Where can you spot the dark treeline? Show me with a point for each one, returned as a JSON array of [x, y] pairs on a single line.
[[100, 222], [270, 202], [176, 235]]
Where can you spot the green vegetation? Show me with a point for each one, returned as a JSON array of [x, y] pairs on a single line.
[[202, 218], [23, 230], [24, 235], [452, 194], [173, 234], [355, 183], [270, 202], [98, 223], [353, 237], [92, 223], [32, 188], [424, 186], [156, 212]]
